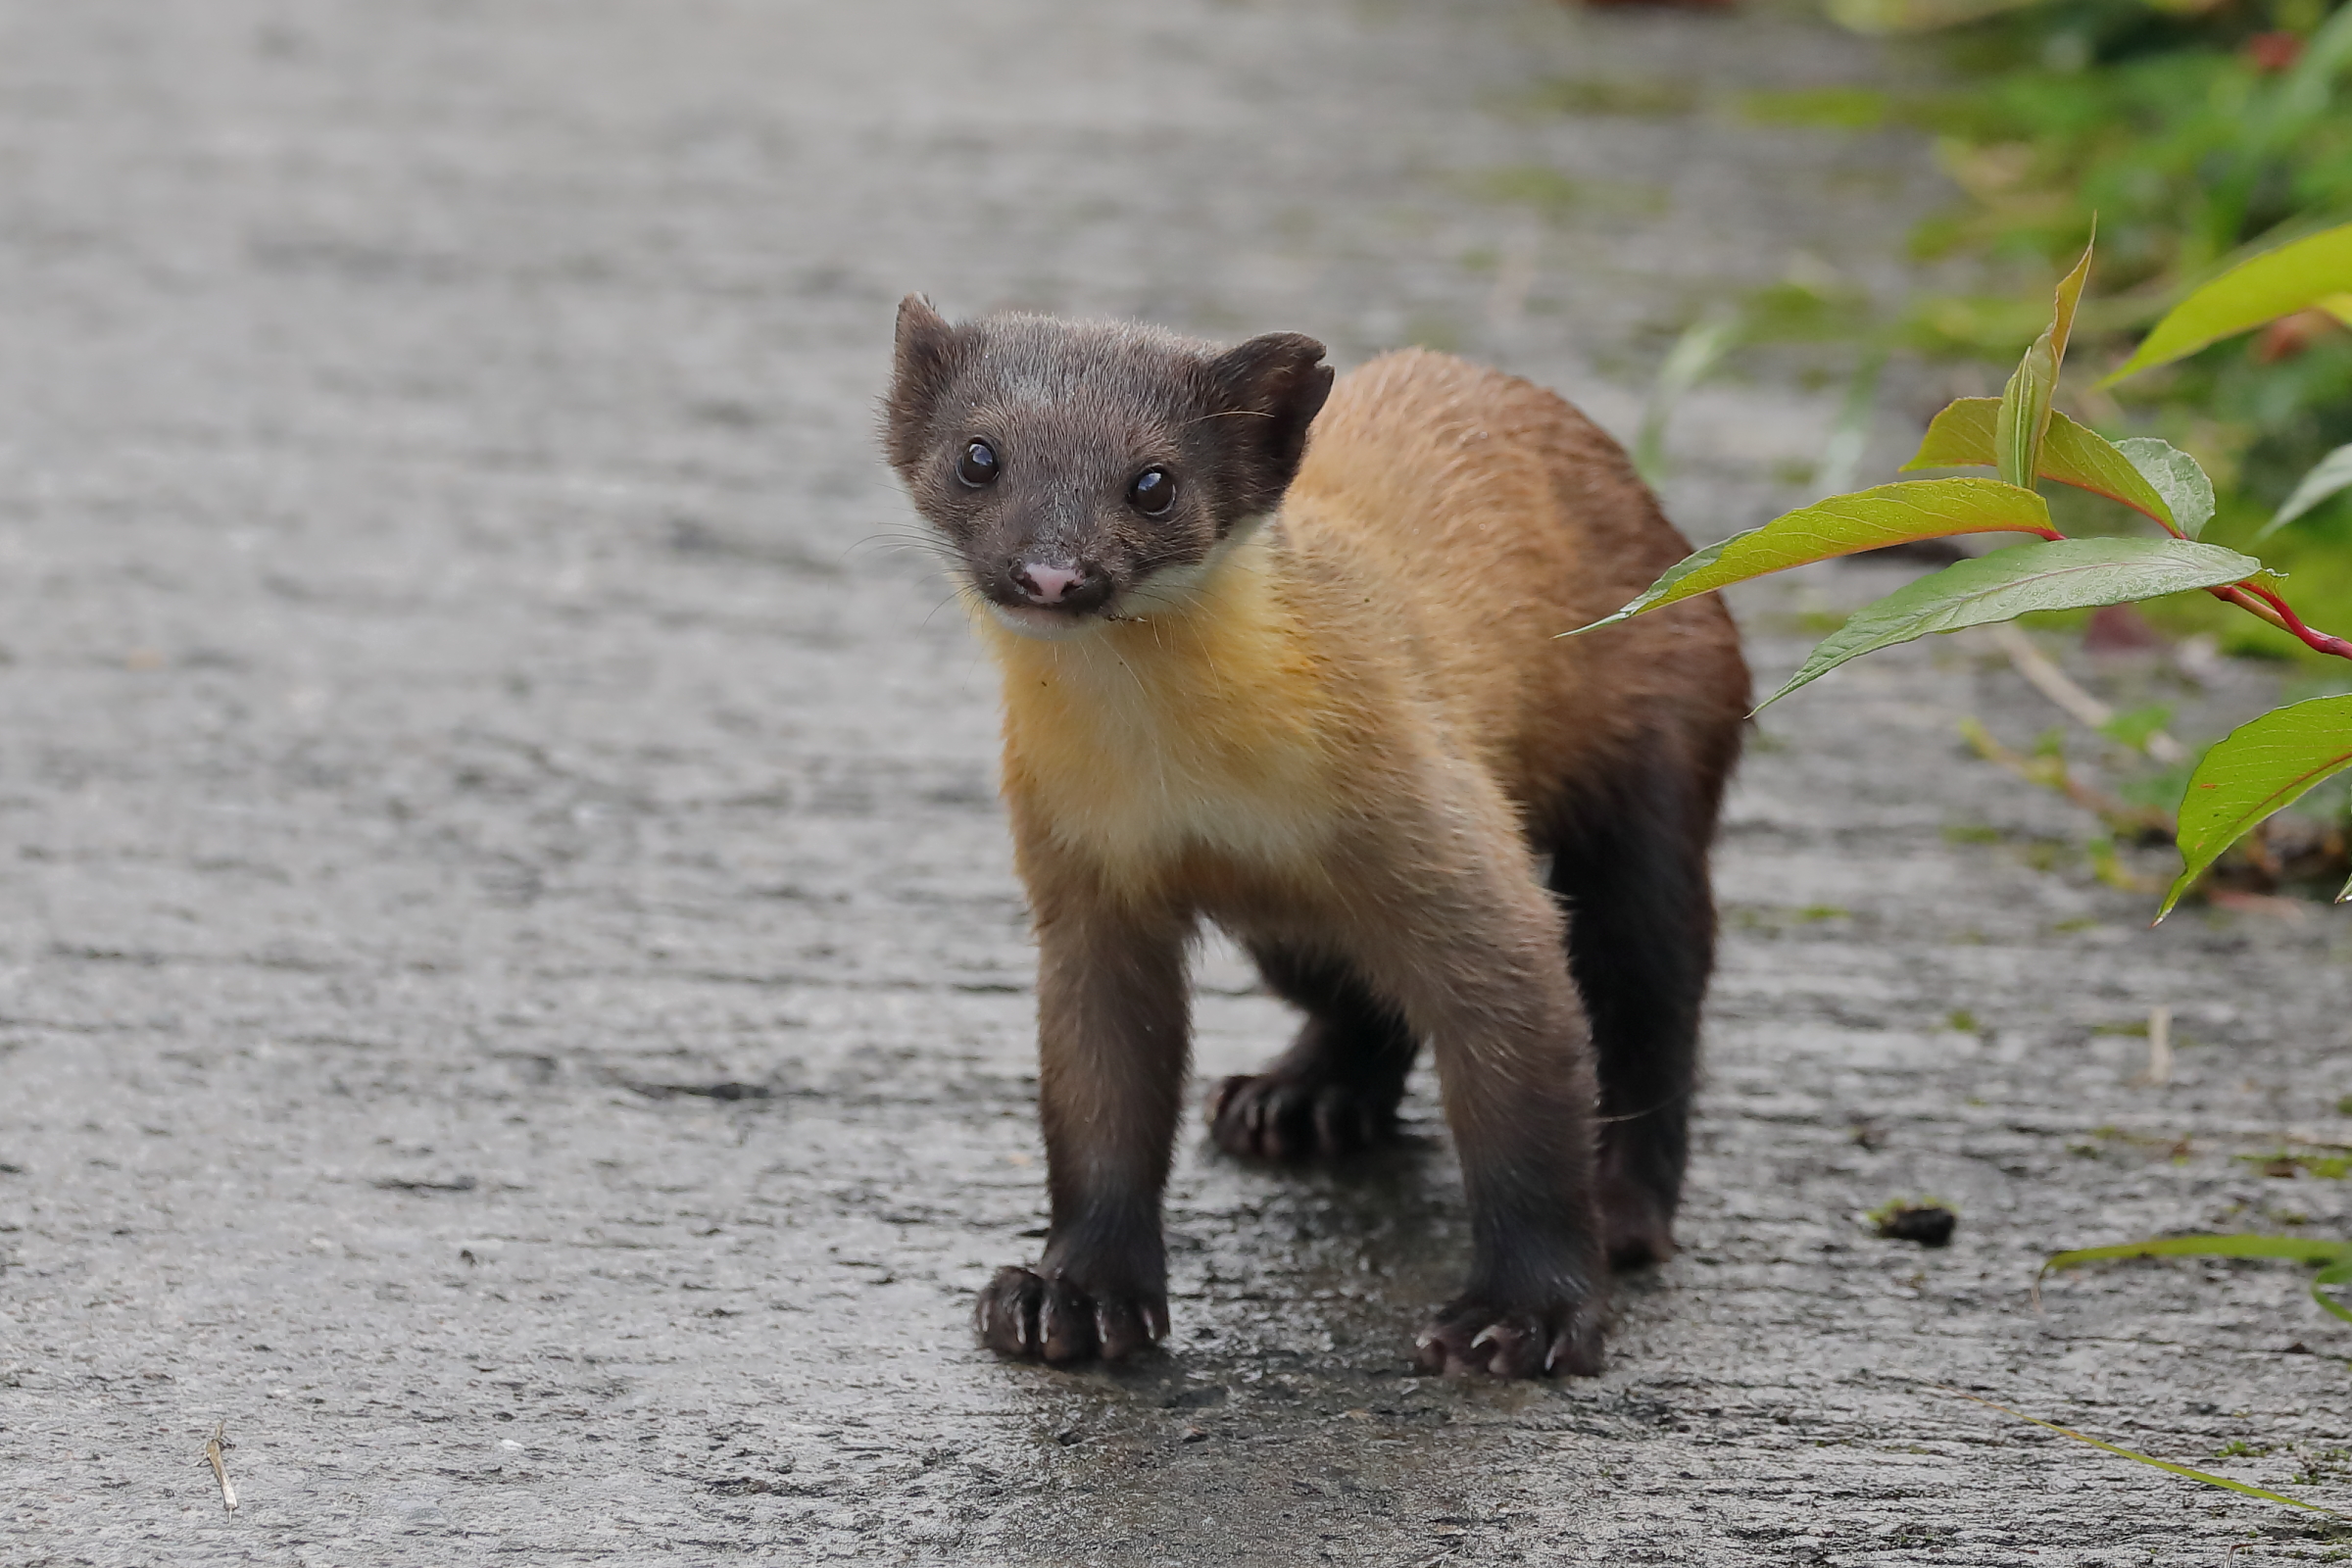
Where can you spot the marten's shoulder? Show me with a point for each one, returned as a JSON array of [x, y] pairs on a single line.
[[1451, 454], [1479, 495]]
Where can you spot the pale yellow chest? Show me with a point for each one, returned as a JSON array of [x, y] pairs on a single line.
[[1145, 744]]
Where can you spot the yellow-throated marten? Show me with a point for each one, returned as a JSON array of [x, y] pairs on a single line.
[[1284, 656]]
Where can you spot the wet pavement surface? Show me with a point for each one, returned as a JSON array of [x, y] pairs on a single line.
[[513, 992]]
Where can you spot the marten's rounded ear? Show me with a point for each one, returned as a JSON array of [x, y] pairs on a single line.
[[1278, 383], [923, 361]]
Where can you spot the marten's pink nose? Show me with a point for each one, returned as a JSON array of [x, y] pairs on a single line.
[[1047, 585]]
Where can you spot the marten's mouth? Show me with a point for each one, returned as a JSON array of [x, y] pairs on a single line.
[[1048, 622]]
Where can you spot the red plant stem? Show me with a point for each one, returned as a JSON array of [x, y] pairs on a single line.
[[2262, 602], [2256, 600], [2271, 596], [2267, 594]]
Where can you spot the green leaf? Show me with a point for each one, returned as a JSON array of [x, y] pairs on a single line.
[[2336, 1256], [2293, 1248], [2134, 726], [2263, 288], [1962, 437], [2175, 475], [2023, 419], [1695, 353], [2066, 574], [1959, 437], [1915, 16], [2259, 768], [1829, 108], [2333, 474], [2334, 1275], [1867, 519], [1850, 435], [2310, 83], [2205, 1476]]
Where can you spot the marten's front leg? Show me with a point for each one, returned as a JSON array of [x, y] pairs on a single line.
[[1469, 948], [1112, 1038], [1336, 1090]]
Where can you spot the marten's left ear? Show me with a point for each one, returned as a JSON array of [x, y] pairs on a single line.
[[923, 364], [1272, 388]]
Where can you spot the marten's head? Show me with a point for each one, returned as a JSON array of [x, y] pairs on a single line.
[[1084, 472]]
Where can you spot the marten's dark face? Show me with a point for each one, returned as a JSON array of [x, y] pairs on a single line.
[[1084, 472]]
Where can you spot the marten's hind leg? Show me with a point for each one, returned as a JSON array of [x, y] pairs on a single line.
[[1632, 868], [1335, 1089]]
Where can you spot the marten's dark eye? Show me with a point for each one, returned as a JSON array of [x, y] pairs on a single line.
[[1152, 493], [978, 466]]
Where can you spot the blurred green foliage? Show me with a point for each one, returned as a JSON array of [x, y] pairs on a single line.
[[2197, 133]]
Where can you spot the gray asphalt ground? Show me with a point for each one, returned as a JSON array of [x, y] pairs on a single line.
[[513, 993]]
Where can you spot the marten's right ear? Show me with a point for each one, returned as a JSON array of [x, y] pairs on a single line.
[[924, 363], [1276, 384]]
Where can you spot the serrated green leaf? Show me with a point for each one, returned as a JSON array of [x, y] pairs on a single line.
[[1962, 437], [2333, 473], [2066, 574], [2336, 1256], [1867, 519], [2024, 417], [2175, 475], [2263, 288], [2262, 765]]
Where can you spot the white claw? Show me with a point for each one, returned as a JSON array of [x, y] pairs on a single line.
[[1486, 1335], [1428, 1338]]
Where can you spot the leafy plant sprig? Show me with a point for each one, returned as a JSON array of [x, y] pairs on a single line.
[[2259, 769]]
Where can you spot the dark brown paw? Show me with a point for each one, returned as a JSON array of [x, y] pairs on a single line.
[[1262, 1116], [1637, 1225], [1036, 1317], [1472, 1334]]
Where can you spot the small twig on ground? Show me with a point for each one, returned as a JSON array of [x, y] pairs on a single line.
[[214, 1449], [2160, 1047], [2086, 709], [2121, 816], [2269, 905]]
